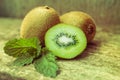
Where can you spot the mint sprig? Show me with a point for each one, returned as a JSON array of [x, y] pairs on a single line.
[[47, 65], [29, 51]]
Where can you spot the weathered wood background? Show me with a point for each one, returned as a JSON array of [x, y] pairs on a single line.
[[100, 60], [103, 11]]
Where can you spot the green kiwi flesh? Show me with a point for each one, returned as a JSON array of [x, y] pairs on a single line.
[[65, 41]]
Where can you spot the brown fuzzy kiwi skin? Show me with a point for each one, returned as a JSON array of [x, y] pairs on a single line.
[[81, 20], [38, 21]]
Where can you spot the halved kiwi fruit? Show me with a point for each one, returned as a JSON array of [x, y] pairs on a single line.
[[81, 20], [65, 41], [38, 21]]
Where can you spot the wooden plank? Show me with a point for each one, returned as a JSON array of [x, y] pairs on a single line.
[[103, 11]]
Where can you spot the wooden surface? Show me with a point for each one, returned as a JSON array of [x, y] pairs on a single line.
[[100, 60], [103, 11]]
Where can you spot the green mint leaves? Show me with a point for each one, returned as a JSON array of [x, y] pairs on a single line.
[[23, 47], [29, 51], [23, 60], [47, 65]]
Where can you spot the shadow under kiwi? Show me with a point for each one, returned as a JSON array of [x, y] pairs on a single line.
[[91, 47]]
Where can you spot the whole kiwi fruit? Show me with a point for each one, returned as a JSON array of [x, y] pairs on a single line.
[[38, 21], [81, 20], [65, 41]]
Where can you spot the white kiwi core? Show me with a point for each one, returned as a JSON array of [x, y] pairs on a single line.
[[65, 40]]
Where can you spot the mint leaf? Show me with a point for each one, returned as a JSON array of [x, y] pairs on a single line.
[[23, 60], [47, 65], [23, 47]]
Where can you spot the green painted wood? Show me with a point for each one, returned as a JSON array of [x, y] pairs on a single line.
[[103, 11], [100, 60]]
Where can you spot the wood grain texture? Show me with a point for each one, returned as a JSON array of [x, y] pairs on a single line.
[[103, 11], [100, 60]]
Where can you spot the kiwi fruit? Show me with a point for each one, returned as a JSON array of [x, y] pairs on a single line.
[[38, 21], [81, 20], [65, 41]]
